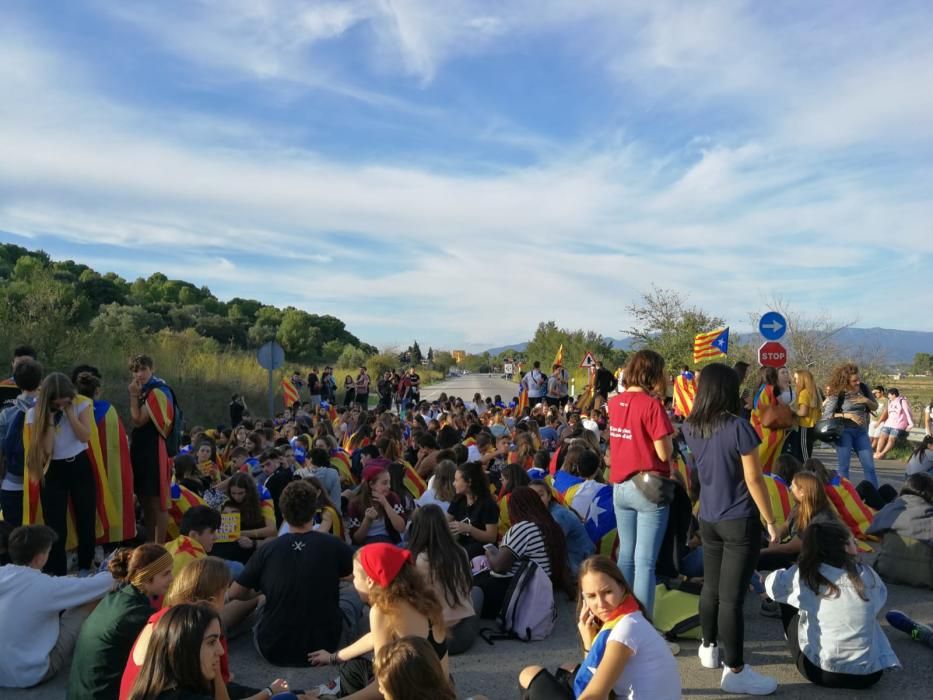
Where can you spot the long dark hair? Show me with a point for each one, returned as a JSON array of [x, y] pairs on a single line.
[[825, 543], [474, 474], [173, 659], [526, 505], [717, 398], [429, 534], [920, 452], [919, 485], [250, 510]]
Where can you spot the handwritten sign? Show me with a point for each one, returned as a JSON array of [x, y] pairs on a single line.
[[229, 527]]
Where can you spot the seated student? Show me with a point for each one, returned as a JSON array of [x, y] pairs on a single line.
[[327, 518], [198, 532], [829, 607], [399, 485], [473, 515], [375, 513], [282, 475], [579, 544], [204, 581], [319, 467], [921, 459], [445, 566], [440, 491], [408, 669], [534, 534], [186, 473], [208, 465], [401, 603], [109, 632], [625, 655], [906, 526], [31, 600], [299, 573], [255, 525]]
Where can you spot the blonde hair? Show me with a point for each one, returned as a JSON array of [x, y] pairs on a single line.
[[54, 387], [199, 581], [409, 668], [804, 381]]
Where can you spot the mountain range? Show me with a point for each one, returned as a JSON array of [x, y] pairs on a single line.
[[898, 347]]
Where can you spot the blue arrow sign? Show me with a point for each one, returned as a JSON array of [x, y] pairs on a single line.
[[772, 326]]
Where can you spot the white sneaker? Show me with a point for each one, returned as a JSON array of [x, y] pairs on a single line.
[[747, 682], [709, 655]]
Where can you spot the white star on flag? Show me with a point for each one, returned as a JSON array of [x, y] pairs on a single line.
[[594, 512]]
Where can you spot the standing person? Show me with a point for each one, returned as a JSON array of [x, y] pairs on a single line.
[[152, 412], [314, 388], [830, 602], [640, 447], [27, 375], [237, 410], [808, 411], [848, 398], [32, 601], [300, 575], [604, 382], [733, 500], [415, 380], [59, 428], [109, 633], [362, 389], [535, 382], [772, 439], [563, 377], [553, 387], [876, 422], [785, 389], [898, 422], [349, 391], [625, 656]]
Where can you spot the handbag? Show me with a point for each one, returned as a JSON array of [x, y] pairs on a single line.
[[777, 416], [656, 488], [830, 430]]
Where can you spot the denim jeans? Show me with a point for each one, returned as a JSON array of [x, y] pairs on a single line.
[[856, 438], [641, 526]]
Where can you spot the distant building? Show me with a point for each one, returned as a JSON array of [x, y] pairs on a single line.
[[458, 355]]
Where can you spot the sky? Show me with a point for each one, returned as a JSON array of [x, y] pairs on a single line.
[[456, 171]]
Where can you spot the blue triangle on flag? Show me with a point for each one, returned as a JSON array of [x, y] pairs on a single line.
[[721, 342]]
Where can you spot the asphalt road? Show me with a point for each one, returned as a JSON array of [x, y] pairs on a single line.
[[493, 670]]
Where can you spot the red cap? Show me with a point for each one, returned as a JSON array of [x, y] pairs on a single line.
[[372, 473], [383, 561]]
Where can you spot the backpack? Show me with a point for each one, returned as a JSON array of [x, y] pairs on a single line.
[[528, 610], [676, 611], [14, 454]]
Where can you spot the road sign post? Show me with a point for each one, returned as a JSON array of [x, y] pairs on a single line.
[[271, 356], [772, 354], [588, 361]]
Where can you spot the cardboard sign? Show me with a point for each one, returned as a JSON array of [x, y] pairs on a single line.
[[229, 527]]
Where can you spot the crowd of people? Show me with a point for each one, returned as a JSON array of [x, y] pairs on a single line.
[[382, 540]]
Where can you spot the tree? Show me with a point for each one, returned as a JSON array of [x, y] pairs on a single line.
[[923, 363], [415, 354], [666, 323], [351, 357], [443, 361], [430, 354], [298, 336]]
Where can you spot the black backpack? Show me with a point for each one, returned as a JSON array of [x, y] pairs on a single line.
[[14, 453]]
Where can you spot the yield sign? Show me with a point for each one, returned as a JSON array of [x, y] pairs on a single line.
[[588, 361]]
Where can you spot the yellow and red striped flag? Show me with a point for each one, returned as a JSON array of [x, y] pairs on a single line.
[[522, 401], [290, 391], [559, 357], [685, 391], [711, 345]]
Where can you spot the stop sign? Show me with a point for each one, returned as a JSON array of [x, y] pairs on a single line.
[[772, 354]]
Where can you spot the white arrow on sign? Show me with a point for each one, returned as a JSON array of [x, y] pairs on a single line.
[[774, 326]]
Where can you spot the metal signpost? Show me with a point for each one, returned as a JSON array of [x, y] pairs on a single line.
[[271, 356]]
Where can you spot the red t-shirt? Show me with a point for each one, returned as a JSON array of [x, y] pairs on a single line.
[[132, 670], [636, 420]]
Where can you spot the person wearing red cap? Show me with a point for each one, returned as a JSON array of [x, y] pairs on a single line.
[[402, 603], [375, 514]]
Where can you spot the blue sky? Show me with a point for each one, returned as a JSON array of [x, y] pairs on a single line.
[[457, 171]]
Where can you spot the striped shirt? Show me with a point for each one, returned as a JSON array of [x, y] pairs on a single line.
[[525, 540]]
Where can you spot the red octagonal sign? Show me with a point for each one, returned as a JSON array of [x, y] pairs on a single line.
[[772, 354]]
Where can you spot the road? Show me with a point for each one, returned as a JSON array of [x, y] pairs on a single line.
[[466, 387], [493, 670]]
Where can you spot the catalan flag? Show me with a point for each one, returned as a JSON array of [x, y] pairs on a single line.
[[184, 550], [522, 402], [115, 452], [685, 391], [160, 404], [340, 461], [559, 357], [711, 346], [290, 391], [182, 501], [413, 482], [850, 507]]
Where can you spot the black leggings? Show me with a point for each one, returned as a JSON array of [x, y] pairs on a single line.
[[811, 671], [876, 498], [550, 686], [70, 479], [730, 555]]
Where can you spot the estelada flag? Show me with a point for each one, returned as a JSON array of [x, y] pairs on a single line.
[[415, 485], [522, 402], [160, 405], [711, 346], [183, 500], [115, 451], [290, 392], [685, 391], [559, 357]]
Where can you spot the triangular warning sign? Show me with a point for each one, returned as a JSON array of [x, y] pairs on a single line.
[[588, 361]]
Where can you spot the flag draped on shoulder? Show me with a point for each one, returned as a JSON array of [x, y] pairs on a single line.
[[712, 345], [685, 391], [290, 392]]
